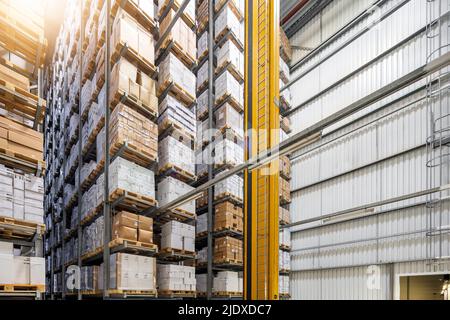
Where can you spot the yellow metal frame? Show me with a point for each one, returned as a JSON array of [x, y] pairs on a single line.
[[262, 123]]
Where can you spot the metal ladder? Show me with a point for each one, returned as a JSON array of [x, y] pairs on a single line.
[[438, 131]]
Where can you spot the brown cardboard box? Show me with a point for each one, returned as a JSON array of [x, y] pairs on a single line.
[[122, 232], [228, 217], [285, 166], [126, 219], [145, 223], [145, 236], [228, 249], [285, 191]]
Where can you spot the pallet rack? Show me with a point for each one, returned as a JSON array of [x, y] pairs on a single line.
[[207, 26], [29, 45]]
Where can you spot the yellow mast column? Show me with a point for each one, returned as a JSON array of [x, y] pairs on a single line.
[[262, 124]]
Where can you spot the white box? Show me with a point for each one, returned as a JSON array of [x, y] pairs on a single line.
[[6, 248], [6, 268], [37, 271], [227, 20], [21, 270], [170, 189]]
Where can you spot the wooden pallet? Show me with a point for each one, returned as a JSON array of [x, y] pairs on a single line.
[[133, 200], [93, 136], [176, 131], [91, 254], [134, 153], [176, 294], [227, 97], [285, 247], [19, 229], [227, 295], [228, 262], [202, 87], [94, 213], [133, 293], [228, 196], [284, 271], [21, 288], [177, 252], [139, 246], [178, 93], [21, 156], [201, 234], [285, 201], [229, 228], [232, 5], [203, 56], [134, 57], [176, 6], [176, 172], [176, 214], [20, 101], [176, 48], [231, 68], [88, 69], [134, 103], [228, 34]]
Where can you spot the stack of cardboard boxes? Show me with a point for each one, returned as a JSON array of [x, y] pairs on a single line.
[[177, 129], [228, 250], [22, 54], [132, 227], [226, 282]]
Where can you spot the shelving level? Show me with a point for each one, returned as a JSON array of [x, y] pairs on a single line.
[[22, 109], [220, 77]]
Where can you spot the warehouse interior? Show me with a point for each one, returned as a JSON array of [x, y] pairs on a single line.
[[224, 149]]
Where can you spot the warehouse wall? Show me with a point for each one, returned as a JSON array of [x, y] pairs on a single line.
[[376, 154]]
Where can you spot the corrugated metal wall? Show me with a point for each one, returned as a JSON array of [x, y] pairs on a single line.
[[377, 154]]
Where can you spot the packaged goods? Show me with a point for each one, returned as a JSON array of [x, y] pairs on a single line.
[[178, 236], [284, 261], [227, 85], [285, 191], [19, 139], [90, 278], [170, 189], [202, 224], [202, 76], [22, 270], [92, 236], [201, 279], [173, 112], [284, 71], [229, 118], [285, 238], [181, 34], [232, 186], [128, 176], [229, 53], [239, 5], [189, 12], [175, 153], [202, 45], [202, 105], [228, 153], [133, 227], [176, 278], [171, 69], [227, 20], [283, 285], [227, 281], [285, 166], [286, 49], [132, 272], [228, 250], [14, 78], [228, 217]]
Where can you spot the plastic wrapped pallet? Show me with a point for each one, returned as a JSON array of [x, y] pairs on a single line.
[[128, 176], [232, 186], [202, 255], [202, 45], [230, 53], [201, 279], [202, 76], [285, 238], [202, 104], [286, 49], [285, 166], [227, 20], [180, 33], [127, 31], [170, 189], [87, 169], [283, 285], [171, 69], [174, 112], [178, 236], [132, 272], [226, 281], [202, 224], [285, 191], [284, 72], [228, 153], [89, 278], [171, 152], [284, 216], [86, 95], [227, 85], [176, 278], [238, 4], [89, 201], [93, 236], [228, 117], [284, 260], [228, 249]]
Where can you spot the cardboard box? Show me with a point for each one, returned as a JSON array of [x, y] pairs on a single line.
[[228, 216], [145, 223], [176, 235], [228, 249], [132, 272], [37, 271], [6, 248], [21, 270], [181, 33], [176, 278], [170, 189], [123, 232], [7, 268], [145, 236]]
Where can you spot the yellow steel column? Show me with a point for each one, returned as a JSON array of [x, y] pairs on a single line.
[[262, 122]]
